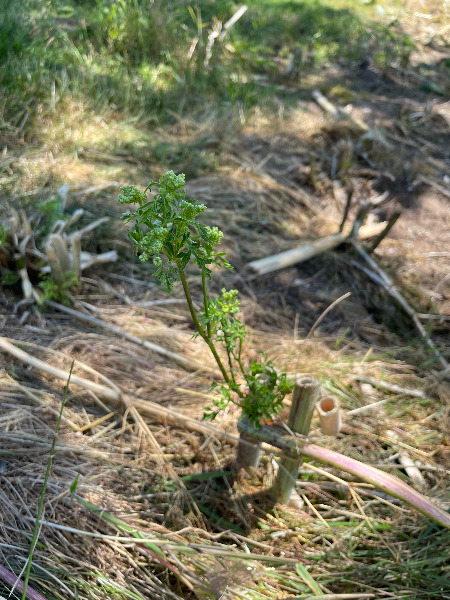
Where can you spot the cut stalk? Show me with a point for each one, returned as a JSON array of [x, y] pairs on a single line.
[[329, 410], [304, 400], [248, 453]]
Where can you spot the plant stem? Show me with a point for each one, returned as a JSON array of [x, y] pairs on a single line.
[[198, 327], [205, 304], [34, 539], [229, 354], [239, 358], [230, 364]]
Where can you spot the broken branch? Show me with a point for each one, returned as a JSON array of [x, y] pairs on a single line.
[[307, 251]]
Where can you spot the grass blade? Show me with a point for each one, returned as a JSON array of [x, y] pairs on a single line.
[[308, 579], [34, 539]]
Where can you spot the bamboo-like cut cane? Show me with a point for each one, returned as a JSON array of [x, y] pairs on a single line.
[[329, 410], [309, 250], [248, 453], [76, 256], [303, 402]]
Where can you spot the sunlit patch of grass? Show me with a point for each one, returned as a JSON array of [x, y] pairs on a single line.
[[134, 57]]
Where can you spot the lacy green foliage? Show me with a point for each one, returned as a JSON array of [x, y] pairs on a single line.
[[261, 397], [58, 292], [267, 386], [228, 329], [168, 231]]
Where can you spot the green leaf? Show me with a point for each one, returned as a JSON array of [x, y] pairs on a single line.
[[308, 579], [74, 484]]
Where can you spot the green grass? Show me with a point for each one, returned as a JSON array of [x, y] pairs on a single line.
[[131, 57]]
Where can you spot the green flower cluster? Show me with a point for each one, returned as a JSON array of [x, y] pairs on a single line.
[[166, 229], [131, 195], [152, 244]]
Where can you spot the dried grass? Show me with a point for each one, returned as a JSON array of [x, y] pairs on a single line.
[[120, 472]]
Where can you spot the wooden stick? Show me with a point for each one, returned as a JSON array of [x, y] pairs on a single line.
[[377, 241], [229, 24], [304, 400], [113, 394], [102, 390], [326, 105], [390, 387], [307, 251], [87, 229], [407, 462]]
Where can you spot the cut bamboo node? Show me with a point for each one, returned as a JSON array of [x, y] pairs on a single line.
[[249, 451], [329, 409], [304, 398]]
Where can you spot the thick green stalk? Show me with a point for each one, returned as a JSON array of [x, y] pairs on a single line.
[[205, 304], [199, 328]]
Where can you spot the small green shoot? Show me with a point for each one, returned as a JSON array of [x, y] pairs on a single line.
[[73, 488], [74, 485], [59, 292]]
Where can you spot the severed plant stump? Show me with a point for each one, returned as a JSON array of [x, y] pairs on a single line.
[[304, 399]]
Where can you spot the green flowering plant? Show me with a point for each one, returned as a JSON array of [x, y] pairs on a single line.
[[167, 231]]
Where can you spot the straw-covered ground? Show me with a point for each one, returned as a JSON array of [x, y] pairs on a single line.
[[143, 503]]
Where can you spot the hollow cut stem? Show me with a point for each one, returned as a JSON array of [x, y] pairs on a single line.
[[304, 399]]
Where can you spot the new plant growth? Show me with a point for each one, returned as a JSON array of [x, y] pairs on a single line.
[[167, 230]]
